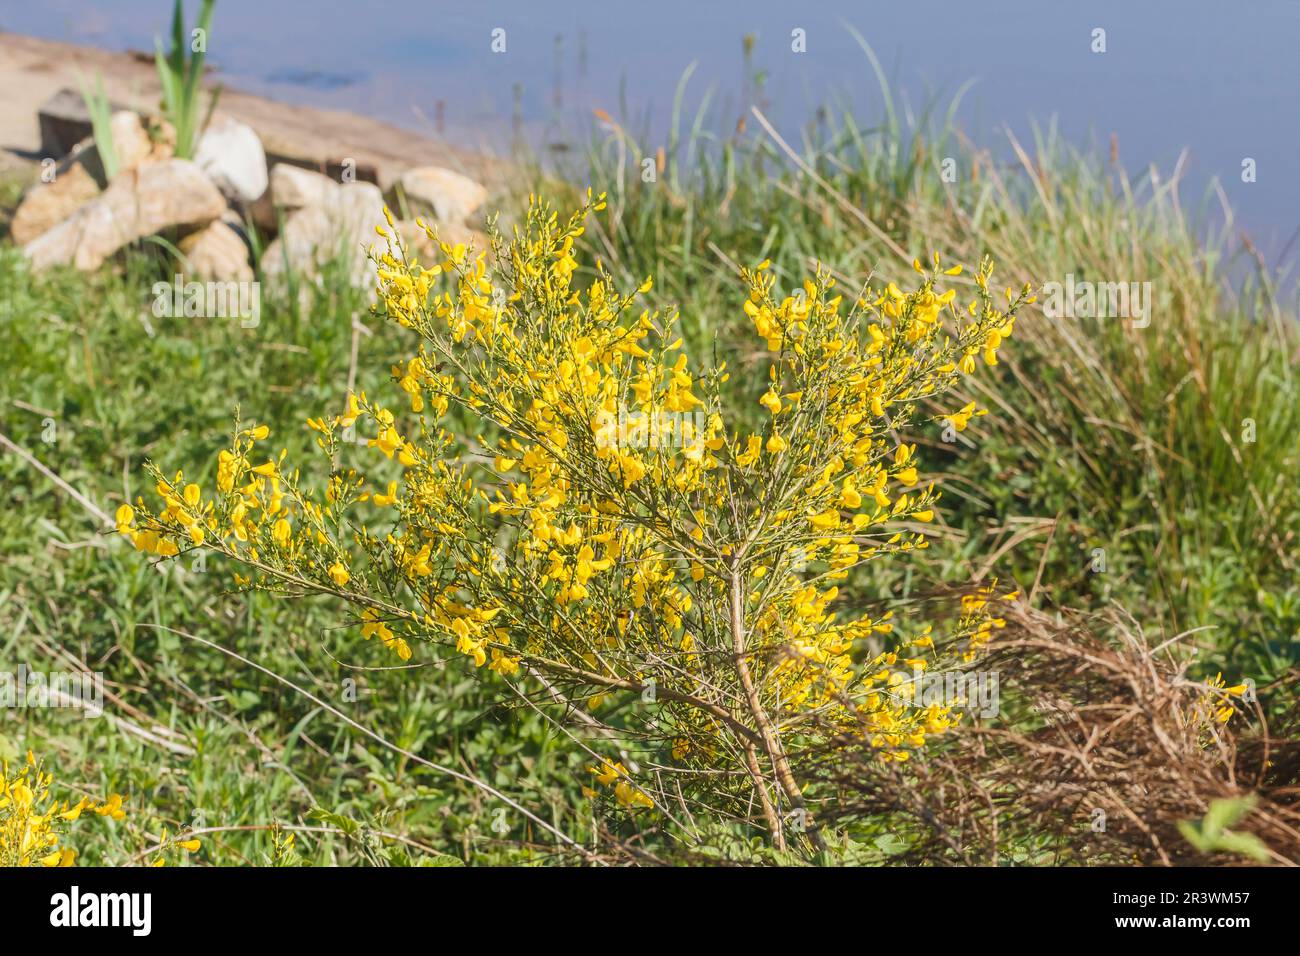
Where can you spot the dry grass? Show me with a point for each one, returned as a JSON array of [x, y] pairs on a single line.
[[1101, 750]]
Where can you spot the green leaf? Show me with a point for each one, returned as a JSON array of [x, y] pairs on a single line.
[[1211, 833]]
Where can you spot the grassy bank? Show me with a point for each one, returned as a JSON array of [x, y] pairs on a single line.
[[1149, 467], [1101, 437], [95, 383]]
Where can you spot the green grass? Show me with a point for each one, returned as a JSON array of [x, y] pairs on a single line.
[[180, 74], [88, 366], [1099, 437]]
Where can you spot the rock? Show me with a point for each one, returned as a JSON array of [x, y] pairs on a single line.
[[440, 193], [163, 136], [66, 127], [77, 179], [131, 142], [341, 226], [146, 200], [340, 169], [292, 188], [80, 177], [231, 154], [295, 188], [48, 204], [217, 251], [65, 121]]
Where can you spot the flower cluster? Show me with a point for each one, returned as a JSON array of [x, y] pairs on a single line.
[[32, 822], [504, 516]]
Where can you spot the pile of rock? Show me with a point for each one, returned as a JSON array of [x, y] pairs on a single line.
[[326, 220], [77, 215]]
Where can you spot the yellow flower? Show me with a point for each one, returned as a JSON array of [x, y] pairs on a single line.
[[503, 664], [388, 498], [125, 516], [630, 796], [112, 808], [603, 511], [959, 420], [608, 772], [353, 411], [825, 520]]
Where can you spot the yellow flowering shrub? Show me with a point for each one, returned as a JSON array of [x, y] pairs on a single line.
[[32, 822], [601, 529]]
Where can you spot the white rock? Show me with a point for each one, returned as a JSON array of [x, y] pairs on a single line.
[[47, 204], [79, 178], [293, 187], [217, 251], [433, 191], [162, 136], [139, 203], [131, 142], [231, 154], [342, 226]]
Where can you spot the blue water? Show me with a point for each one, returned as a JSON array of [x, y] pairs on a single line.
[[1219, 79]]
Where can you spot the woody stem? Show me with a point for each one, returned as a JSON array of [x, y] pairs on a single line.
[[771, 742]]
